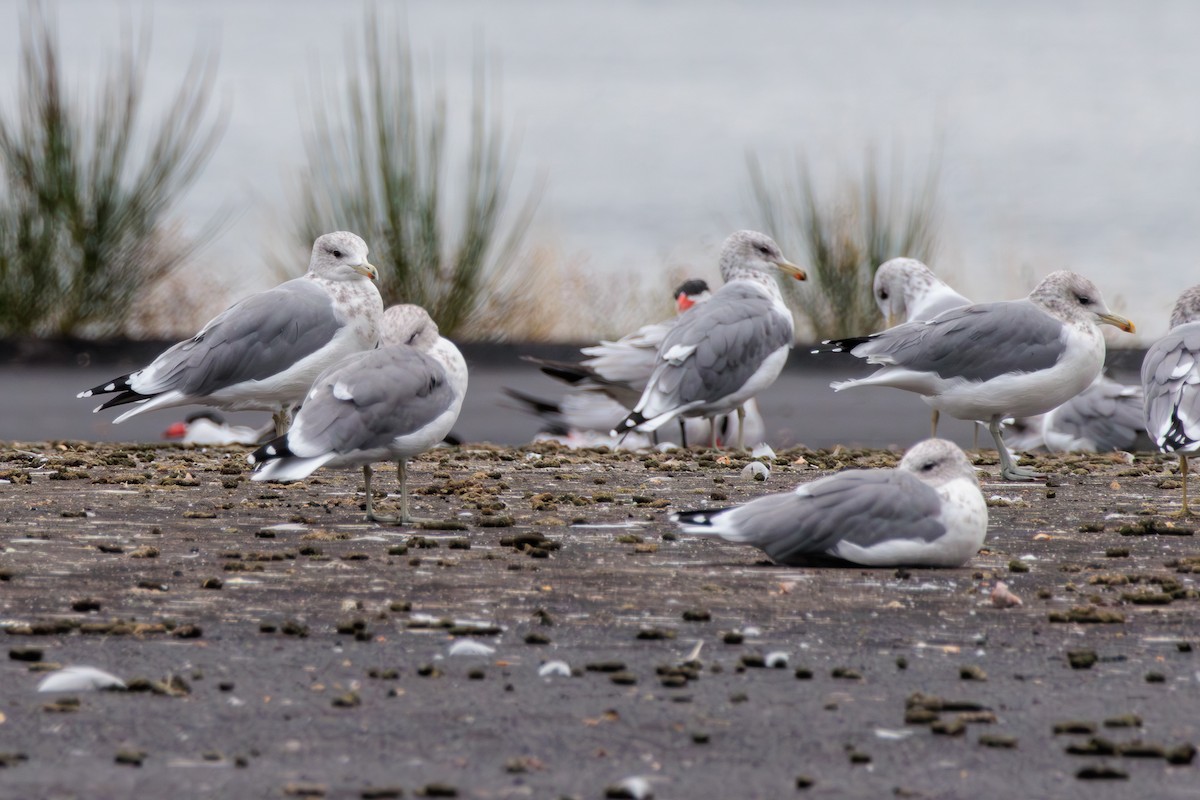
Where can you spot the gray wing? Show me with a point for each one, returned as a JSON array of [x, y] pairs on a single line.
[[630, 359], [978, 342], [368, 400], [254, 339], [1170, 374], [733, 333], [863, 507], [1107, 414]]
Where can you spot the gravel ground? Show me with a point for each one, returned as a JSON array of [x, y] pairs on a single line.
[[275, 645]]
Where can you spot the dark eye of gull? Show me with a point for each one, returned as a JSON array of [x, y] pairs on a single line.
[[883, 295], [1083, 299], [337, 254], [928, 466], [762, 249]]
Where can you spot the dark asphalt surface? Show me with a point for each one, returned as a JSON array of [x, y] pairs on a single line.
[[321, 666]]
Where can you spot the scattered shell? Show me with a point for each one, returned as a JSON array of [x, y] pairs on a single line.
[[634, 787], [756, 471], [763, 450], [777, 659], [552, 668], [470, 647], [79, 679], [1003, 598]]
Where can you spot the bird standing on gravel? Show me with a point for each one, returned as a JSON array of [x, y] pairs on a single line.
[[392, 403], [928, 511], [989, 361], [725, 351], [1171, 383], [263, 352]]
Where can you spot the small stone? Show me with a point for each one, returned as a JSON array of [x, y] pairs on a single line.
[[1081, 659], [997, 741], [972, 672], [1101, 772]]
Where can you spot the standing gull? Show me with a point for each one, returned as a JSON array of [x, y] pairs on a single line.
[[725, 351], [1171, 383], [392, 403], [907, 291], [994, 360], [926, 512], [263, 352], [610, 381]]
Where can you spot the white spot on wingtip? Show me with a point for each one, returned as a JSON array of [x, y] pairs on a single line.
[[112, 387], [88, 393]]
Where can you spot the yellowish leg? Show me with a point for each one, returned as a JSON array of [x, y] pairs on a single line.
[[1183, 476], [936, 414]]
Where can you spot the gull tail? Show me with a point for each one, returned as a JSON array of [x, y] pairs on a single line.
[[565, 371], [846, 345], [706, 522], [277, 462]]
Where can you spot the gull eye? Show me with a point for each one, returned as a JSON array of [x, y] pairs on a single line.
[[762, 249], [883, 295], [1083, 299], [337, 253], [928, 466]]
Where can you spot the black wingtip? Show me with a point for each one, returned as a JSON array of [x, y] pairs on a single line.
[[276, 448], [702, 517], [841, 345]]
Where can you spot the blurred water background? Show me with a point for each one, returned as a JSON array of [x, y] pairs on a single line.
[[1066, 133]]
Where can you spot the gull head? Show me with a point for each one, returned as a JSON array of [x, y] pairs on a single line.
[[341, 256], [751, 254], [409, 324], [937, 462], [900, 283], [1187, 307], [1072, 298]]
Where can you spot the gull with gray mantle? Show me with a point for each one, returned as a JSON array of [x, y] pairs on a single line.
[[392, 403], [725, 351], [1171, 383], [928, 511], [263, 352], [907, 291], [989, 361]]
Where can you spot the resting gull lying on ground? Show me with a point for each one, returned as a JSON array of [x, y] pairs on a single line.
[[263, 352], [1104, 417], [392, 403], [724, 351], [990, 361], [1171, 383], [926, 512]]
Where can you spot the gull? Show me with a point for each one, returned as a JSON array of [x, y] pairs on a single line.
[[1171, 383], [990, 361], [725, 351], [1104, 417], [928, 511], [391, 403], [263, 352], [907, 291]]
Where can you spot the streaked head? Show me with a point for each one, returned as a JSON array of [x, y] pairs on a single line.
[[937, 461], [899, 282], [341, 256], [750, 252], [1072, 297], [409, 324], [1187, 307]]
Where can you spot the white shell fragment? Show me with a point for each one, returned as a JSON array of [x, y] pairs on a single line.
[[756, 470], [79, 679], [776, 660], [763, 450], [470, 647], [552, 668], [1003, 598]]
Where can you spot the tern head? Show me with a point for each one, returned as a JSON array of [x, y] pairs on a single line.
[[689, 293]]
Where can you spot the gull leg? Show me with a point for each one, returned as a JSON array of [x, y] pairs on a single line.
[[371, 515], [282, 419], [1009, 470], [1183, 476], [682, 433], [712, 426], [936, 414], [741, 412], [402, 472]]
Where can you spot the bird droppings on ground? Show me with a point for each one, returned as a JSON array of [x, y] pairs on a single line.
[[322, 665]]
